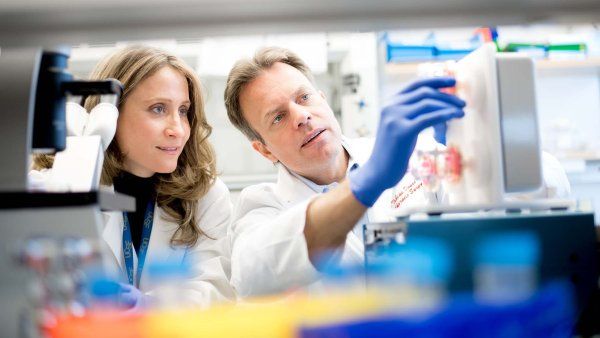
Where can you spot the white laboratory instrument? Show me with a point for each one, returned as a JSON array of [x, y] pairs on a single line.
[[494, 151], [78, 168]]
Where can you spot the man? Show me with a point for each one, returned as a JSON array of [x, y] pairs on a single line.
[[326, 182]]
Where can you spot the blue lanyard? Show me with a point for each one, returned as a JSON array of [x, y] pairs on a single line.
[[128, 244]]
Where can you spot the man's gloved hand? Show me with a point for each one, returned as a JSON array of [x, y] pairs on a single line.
[[439, 132], [415, 108], [130, 297]]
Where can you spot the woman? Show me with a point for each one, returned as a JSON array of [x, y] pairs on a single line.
[[161, 155]]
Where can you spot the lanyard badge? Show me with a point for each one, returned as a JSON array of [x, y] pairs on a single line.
[[128, 244]]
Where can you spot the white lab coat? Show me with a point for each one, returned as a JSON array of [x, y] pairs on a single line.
[[269, 252], [209, 259]]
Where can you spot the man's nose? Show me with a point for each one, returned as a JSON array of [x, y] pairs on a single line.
[[301, 115]]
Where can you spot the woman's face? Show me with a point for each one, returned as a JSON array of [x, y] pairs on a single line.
[[153, 125]]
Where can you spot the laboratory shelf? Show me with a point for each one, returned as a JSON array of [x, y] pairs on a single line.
[[410, 68], [590, 62]]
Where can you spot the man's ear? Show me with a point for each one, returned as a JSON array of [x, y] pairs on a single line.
[[264, 151]]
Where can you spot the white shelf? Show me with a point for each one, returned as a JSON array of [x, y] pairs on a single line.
[[410, 68], [590, 62], [580, 156]]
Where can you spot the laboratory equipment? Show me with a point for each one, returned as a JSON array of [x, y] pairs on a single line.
[[33, 87], [556, 245], [79, 166], [493, 152]]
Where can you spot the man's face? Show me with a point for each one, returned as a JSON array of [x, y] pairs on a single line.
[[293, 118]]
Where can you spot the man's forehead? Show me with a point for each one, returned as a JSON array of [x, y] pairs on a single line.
[[282, 72], [273, 86], [265, 92]]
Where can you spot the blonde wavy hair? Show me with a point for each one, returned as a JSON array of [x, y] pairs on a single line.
[[177, 193]]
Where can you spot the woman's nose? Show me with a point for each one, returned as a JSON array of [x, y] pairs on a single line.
[[175, 126]]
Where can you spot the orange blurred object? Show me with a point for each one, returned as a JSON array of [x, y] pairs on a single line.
[[113, 324]]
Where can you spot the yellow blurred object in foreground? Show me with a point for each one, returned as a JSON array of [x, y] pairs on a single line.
[[263, 317]]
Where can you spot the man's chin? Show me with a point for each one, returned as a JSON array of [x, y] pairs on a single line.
[[324, 155]]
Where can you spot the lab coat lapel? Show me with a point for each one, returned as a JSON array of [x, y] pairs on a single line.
[[113, 234]]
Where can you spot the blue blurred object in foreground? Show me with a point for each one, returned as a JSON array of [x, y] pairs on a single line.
[[506, 266], [549, 313], [104, 291], [422, 260]]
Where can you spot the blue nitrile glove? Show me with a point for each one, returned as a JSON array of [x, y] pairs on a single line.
[[415, 108], [130, 297], [439, 132]]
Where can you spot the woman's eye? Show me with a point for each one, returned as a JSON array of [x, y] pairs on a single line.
[[160, 109], [184, 111], [305, 97]]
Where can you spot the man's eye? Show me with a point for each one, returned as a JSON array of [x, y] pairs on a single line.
[[278, 118], [305, 97]]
